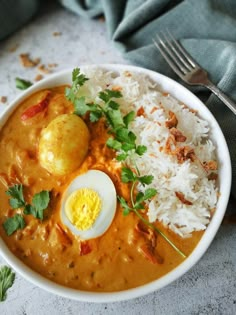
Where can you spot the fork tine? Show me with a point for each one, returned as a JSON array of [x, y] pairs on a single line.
[[182, 50], [178, 51], [168, 59], [166, 45]]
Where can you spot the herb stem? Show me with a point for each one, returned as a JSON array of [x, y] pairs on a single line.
[[136, 167], [160, 232], [124, 140], [132, 194], [150, 224]]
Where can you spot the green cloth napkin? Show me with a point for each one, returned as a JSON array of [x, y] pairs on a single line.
[[15, 13], [207, 29]]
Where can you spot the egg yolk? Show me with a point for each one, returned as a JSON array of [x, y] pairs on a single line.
[[82, 208]]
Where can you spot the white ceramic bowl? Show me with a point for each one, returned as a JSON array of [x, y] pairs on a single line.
[[184, 95]]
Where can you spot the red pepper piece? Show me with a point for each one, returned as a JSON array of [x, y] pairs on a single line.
[[35, 109], [85, 248]]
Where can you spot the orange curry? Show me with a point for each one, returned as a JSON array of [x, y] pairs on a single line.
[[128, 255]]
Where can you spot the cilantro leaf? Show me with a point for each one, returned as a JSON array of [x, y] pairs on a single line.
[[139, 206], [125, 206], [125, 135], [146, 179], [122, 156], [113, 105], [113, 144], [127, 175], [78, 80], [149, 193], [40, 202], [22, 84], [16, 192], [128, 118], [114, 118], [107, 95], [29, 209], [15, 203], [122, 202], [139, 197], [126, 211], [128, 146], [95, 115], [141, 149], [69, 94], [14, 223], [80, 106], [7, 278]]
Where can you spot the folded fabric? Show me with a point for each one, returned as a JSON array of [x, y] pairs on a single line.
[[205, 27], [14, 14]]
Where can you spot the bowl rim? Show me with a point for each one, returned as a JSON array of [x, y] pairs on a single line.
[[182, 94]]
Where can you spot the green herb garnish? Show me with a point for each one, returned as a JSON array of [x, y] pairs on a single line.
[[7, 278], [40, 203], [13, 224], [78, 80], [127, 176], [22, 84], [123, 140]]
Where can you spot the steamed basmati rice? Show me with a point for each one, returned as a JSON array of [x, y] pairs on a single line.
[[188, 178]]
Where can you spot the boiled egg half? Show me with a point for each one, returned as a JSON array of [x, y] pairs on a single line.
[[89, 204]]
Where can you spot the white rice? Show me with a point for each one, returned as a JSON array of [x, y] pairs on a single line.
[[170, 176]]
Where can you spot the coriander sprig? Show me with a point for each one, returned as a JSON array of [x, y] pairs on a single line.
[[22, 84], [123, 141], [7, 277], [137, 203], [40, 202], [109, 109], [78, 79]]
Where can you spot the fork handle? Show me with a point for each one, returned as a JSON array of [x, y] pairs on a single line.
[[224, 98]]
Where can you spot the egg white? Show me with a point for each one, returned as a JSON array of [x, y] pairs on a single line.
[[103, 185]]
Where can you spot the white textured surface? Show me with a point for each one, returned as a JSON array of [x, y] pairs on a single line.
[[210, 287]]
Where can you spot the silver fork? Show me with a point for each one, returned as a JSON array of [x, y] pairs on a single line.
[[187, 68]]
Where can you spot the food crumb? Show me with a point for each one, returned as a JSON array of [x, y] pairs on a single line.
[[190, 109], [3, 99], [52, 65], [27, 62], [116, 88], [127, 74], [38, 77], [165, 94], [43, 69], [56, 33]]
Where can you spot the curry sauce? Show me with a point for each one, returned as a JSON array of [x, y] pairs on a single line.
[[126, 256]]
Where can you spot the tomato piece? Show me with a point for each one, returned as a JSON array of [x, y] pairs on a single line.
[[35, 109], [85, 248]]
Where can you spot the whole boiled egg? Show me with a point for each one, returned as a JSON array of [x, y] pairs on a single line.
[[89, 204], [63, 145]]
